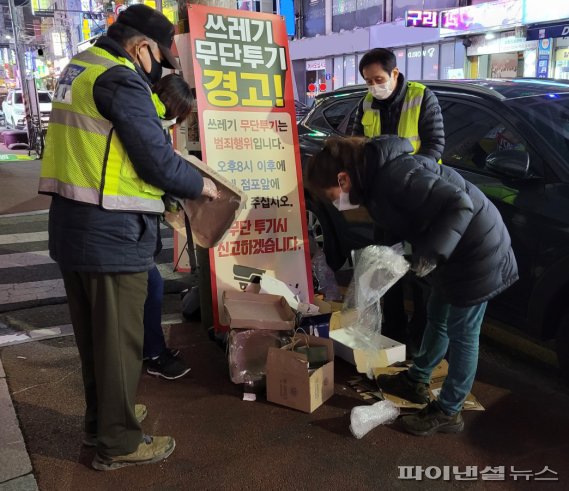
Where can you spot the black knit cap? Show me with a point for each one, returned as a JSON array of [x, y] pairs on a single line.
[[154, 25]]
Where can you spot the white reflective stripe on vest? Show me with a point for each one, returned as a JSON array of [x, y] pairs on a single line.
[[411, 103], [81, 121], [94, 59], [112, 202], [69, 191]]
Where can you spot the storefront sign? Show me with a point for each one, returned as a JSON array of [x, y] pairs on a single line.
[[248, 133], [421, 52], [552, 31], [502, 43], [315, 65], [481, 18], [543, 59], [545, 11], [422, 18]]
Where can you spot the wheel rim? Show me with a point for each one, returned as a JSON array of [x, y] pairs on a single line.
[[315, 229]]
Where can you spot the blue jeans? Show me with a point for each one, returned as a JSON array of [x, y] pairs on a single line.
[[456, 329], [154, 342]]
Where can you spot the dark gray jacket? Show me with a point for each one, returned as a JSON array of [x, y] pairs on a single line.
[[87, 238], [431, 126], [444, 218]]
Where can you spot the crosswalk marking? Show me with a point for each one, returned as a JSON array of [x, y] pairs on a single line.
[[22, 238], [37, 258], [31, 291], [41, 290], [24, 258]]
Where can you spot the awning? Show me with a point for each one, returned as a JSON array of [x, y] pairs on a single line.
[[557, 30]]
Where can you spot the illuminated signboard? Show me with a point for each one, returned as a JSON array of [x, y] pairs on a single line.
[[422, 18], [481, 18]]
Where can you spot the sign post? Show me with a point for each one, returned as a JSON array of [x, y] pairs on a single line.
[[248, 134]]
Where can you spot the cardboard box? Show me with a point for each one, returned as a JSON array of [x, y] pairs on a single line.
[[289, 381], [346, 347], [246, 310], [343, 318], [437, 378]]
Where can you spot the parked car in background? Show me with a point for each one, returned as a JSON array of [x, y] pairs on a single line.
[[511, 139], [15, 112]]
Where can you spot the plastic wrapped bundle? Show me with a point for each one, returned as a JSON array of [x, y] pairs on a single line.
[[363, 419], [376, 270]]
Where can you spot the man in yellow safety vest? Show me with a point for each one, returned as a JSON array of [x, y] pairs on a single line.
[[396, 107]]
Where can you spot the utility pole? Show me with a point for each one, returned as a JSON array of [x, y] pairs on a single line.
[[21, 62]]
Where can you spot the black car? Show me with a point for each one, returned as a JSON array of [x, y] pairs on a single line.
[[511, 139]]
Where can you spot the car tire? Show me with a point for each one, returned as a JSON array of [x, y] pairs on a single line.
[[562, 346], [322, 235]]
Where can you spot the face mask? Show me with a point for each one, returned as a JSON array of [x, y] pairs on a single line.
[[167, 123], [155, 73], [381, 91], [343, 202]]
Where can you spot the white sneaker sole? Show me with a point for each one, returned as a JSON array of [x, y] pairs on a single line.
[[156, 373]]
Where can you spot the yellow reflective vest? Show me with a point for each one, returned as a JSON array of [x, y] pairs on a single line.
[[84, 160], [409, 120]]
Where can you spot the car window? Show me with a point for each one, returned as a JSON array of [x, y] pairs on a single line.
[[18, 98], [336, 113], [473, 133], [44, 97]]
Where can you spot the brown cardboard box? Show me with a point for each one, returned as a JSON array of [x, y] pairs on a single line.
[[290, 382], [246, 310], [211, 219], [437, 378]]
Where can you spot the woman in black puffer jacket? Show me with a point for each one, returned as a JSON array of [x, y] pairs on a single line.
[[459, 241]]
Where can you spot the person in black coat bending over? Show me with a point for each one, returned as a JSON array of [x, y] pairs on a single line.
[[460, 244]]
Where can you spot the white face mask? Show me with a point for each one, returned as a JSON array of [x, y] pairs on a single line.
[[381, 91], [167, 123], [343, 202]]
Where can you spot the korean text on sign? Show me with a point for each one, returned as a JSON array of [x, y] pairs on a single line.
[[241, 63]]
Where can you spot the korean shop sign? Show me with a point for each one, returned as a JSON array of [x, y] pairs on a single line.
[[248, 133]]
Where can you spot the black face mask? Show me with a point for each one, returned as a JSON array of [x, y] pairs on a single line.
[[155, 73]]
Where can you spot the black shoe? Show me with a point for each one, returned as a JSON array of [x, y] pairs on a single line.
[[174, 353], [167, 367], [432, 419], [402, 386]]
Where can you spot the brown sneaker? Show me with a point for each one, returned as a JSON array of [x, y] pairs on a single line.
[[90, 439], [152, 449]]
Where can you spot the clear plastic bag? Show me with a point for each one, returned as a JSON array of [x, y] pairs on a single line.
[[376, 270], [363, 419]]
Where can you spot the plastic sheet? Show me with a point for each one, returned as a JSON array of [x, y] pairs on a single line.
[[376, 270], [247, 353], [363, 419], [325, 276]]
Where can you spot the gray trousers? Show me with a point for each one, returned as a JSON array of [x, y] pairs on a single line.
[[107, 311]]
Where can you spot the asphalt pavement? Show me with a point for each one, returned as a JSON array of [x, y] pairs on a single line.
[[224, 442]]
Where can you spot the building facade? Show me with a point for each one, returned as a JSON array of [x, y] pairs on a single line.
[[474, 39]]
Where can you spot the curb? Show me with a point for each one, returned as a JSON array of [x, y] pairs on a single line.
[[16, 471]]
